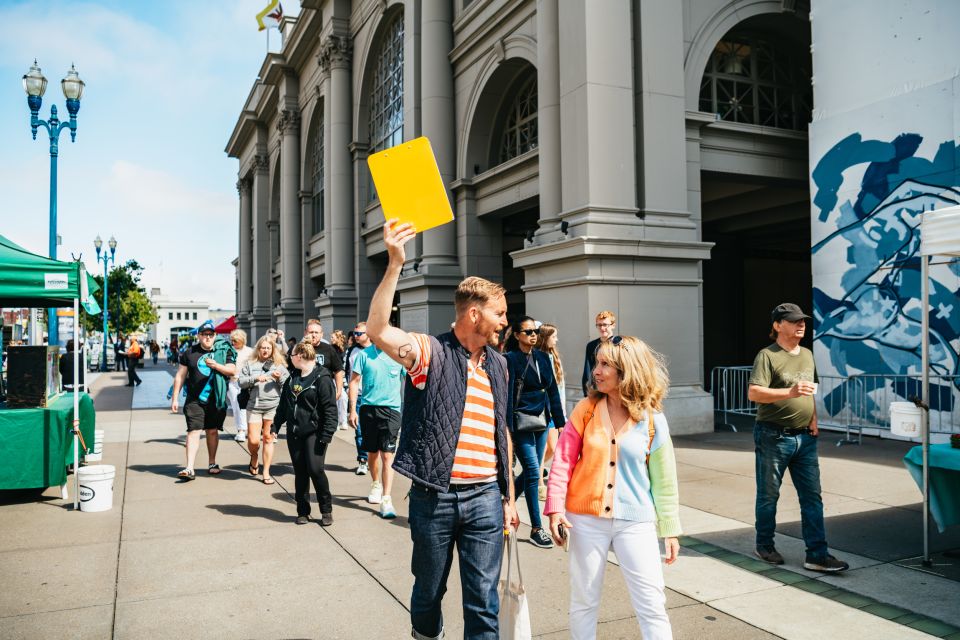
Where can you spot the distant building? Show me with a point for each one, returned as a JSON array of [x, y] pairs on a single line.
[[176, 316]]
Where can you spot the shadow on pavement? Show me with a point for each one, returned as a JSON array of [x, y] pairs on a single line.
[[27, 496], [247, 511]]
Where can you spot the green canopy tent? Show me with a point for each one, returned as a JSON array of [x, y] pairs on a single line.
[[30, 280]]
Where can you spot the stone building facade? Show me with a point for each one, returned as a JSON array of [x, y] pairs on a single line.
[[596, 153]]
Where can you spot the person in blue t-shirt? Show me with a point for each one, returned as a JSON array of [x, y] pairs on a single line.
[[378, 419]]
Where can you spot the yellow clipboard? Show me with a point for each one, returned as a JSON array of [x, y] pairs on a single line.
[[409, 185]]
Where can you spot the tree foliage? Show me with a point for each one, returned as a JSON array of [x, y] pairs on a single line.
[[129, 308]]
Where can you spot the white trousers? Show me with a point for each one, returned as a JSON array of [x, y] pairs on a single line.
[[638, 552], [240, 415]]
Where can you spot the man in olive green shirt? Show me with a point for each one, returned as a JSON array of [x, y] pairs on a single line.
[[783, 382]]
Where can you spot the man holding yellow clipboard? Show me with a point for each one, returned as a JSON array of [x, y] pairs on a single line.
[[454, 445]]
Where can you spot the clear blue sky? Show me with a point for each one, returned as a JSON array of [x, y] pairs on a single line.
[[165, 83]]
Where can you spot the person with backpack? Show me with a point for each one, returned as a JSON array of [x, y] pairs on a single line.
[[205, 368], [613, 484], [308, 406], [133, 353]]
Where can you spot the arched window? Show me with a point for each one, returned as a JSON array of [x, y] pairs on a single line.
[[751, 80], [318, 175], [386, 91], [520, 122]]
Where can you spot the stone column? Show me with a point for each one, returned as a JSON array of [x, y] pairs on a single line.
[[260, 317], [338, 309], [426, 295], [548, 114], [638, 259], [245, 255], [290, 318]]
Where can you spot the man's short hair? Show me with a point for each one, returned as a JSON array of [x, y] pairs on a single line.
[[476, 291], [316, 322], [606, 315]]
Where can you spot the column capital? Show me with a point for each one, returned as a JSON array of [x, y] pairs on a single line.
[[336, 52], [243, 186], [289, 122], [261, 163]]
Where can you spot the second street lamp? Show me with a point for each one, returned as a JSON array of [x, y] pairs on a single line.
[[35, 84], [107, 257]]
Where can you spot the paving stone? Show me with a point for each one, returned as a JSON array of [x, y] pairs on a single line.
[[934, 627], [887, 611]]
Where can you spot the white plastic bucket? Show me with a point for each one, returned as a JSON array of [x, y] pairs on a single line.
[[905, 419], [97, 454], [96, 487]]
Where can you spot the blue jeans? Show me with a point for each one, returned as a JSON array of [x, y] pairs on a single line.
[[776, 453], [470, 518], [529, 448]]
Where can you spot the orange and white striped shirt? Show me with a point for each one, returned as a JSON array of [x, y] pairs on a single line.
[[475, 460]]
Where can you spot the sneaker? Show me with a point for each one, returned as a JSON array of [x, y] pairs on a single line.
[[303, 519], [376, 493], [769, 555], [828, 564], [540, 539], [326, 519], [386, 508], [241, 436], [362, 469]]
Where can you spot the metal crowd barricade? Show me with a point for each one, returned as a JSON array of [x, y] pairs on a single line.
[[729, 388], [857, 404]]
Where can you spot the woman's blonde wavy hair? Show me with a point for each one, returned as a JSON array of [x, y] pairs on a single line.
[[275, 355], [643, 375]]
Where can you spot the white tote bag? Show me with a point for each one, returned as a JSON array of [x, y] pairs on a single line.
[[514, 613]]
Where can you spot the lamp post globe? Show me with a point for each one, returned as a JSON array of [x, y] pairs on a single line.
[[35, 85]]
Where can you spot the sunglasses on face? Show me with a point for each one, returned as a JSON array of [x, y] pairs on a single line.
[[529, 332], [357, 334], [209, 334]]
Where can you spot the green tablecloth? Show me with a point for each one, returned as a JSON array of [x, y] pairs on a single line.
[[944, 481], [36, 444]]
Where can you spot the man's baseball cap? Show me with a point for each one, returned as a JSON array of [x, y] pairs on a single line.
[[788, 311], [206, 326]]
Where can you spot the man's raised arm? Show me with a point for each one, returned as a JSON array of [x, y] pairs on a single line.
[[393, 341]]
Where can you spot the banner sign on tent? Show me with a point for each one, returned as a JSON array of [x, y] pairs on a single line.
[[55, 281]]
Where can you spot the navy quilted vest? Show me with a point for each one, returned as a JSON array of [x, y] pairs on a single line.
[[432, 417]]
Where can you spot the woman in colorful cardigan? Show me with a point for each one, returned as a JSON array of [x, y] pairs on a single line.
[[613, 483]]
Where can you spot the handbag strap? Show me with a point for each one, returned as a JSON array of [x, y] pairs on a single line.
[[522, 376]]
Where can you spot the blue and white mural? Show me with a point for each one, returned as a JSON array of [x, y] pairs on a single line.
[[867, 284]]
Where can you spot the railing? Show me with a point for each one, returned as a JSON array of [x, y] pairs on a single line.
[[858, 403]]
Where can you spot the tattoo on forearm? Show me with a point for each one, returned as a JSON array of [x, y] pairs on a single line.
[[405, 351]]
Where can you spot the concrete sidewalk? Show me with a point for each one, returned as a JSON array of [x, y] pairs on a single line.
[[221, 558]]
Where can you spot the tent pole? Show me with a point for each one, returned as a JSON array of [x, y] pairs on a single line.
[[76, 401], [925, 395]]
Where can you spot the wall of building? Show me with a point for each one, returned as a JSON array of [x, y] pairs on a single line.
[[884, 148]]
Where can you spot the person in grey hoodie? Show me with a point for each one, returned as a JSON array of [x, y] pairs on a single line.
[[263, 375]]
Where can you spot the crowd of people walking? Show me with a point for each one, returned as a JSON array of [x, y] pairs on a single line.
[[453, 412]]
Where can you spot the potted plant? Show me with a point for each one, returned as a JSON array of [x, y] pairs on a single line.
[[955, 440]]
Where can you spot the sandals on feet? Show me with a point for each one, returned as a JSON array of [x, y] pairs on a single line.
[[213, 469], [186, 475], [254, 469], [269, 480]]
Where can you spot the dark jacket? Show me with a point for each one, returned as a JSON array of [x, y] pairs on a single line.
[[539, 393], [432, 416], [66, 369], [308, 405], [589, 362]]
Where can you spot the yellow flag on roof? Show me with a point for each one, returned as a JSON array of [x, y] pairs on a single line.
[[271, 16]]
